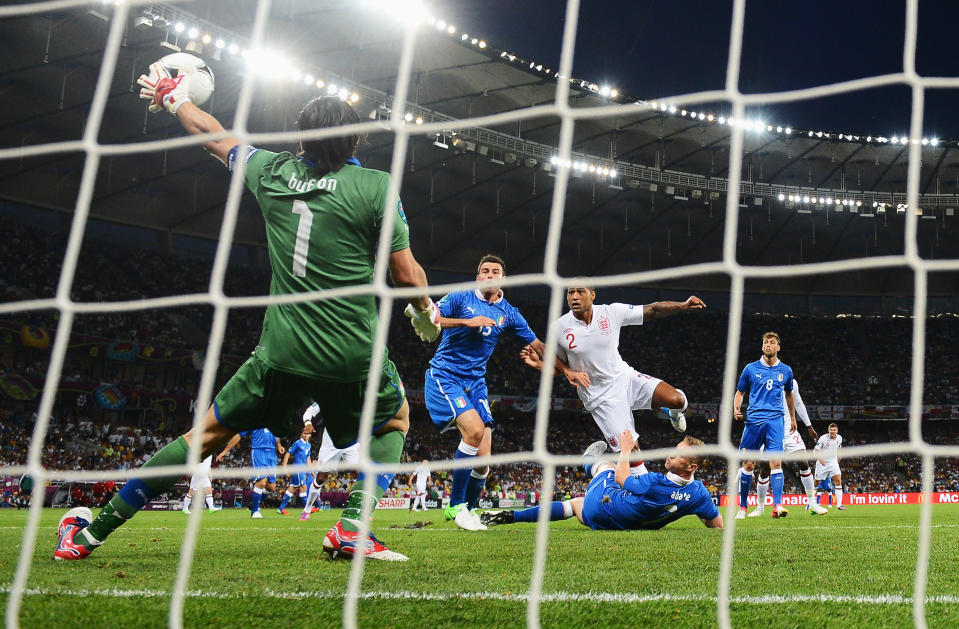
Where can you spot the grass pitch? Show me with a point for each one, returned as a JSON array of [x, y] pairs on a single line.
[[845, 569]]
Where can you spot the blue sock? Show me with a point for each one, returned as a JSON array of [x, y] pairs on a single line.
[[286, 500], [557, 511], [745, 482], [461, 477], [776, 482], [473, 490], [255, 500]]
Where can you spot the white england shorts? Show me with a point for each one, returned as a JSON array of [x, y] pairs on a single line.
[[420, 489], [199, 481], [831, 468], [330, 454], [615, 414], [794, 443]]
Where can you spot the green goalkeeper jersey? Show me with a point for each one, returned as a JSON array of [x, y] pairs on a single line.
[[322, 233]]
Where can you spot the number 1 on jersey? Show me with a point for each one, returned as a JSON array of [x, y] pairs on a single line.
[[302, 247]]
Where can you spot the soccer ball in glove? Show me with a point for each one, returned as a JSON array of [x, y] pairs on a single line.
[[201, 84]]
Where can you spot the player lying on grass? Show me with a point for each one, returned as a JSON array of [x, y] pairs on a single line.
[[323, 220], [587, 339], [618, 500]]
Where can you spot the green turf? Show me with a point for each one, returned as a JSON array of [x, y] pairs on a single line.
[[272, 572]]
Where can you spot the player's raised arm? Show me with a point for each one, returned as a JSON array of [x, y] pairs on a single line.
[[626, 444], [660, 309], [802, 414], [173, 94]]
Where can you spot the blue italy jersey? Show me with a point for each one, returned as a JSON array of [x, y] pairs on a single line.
[[650, 501], [465, 351], [766, 387], [262, 439], [299, 451]]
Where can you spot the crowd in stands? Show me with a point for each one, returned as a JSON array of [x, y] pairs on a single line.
[[837, 360]]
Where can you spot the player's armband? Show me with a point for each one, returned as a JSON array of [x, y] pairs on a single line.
[[232, 155]]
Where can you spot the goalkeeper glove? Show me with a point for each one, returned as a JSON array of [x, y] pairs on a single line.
[[425, 322], [164, 91]]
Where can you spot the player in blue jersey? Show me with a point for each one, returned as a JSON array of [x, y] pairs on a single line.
[[456, 394], [769, 383], [617, 500], [300, 451], [264, 446]]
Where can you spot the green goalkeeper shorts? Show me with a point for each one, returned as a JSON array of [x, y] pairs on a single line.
[[259, 396]]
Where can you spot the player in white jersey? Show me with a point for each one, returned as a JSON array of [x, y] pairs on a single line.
[[420, 479], [587, 339], [326, 458], [792, 442], [201, 480], [827, 463]]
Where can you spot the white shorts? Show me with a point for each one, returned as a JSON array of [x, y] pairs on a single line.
[[420, 490], [794, 443], [330, 454], [198, 482], [615, 414], [831, 468]]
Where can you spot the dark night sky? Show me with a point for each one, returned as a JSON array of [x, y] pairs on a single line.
[[655, 48]]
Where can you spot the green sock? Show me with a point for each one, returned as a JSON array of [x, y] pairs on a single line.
[[136, 493], [386, 448]]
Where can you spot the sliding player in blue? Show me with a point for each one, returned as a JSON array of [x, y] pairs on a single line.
[[617, 500]]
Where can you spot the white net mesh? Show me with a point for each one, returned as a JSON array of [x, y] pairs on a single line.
[[95, 152]]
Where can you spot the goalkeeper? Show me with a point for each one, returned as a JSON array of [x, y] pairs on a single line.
[[323, 215]]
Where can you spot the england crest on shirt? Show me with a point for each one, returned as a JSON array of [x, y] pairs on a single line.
[[604, 325]]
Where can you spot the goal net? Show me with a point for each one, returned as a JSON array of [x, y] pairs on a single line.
[[402, 119]]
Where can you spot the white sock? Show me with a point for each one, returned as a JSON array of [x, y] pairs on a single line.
[[838, 496], [638, 469], [761, 487], [567, 509], [311, 498], [806, 477], [186, 503], [209, 502], [289, 493], [302, 496]]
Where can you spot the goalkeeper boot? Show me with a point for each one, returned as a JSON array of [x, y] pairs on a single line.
[[676, 417], [345, 544], [70, 524], [495, 518]]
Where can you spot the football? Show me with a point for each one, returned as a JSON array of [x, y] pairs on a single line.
[[201, 86]]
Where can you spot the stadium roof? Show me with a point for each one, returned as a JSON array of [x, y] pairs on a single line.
[[488, 188]]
